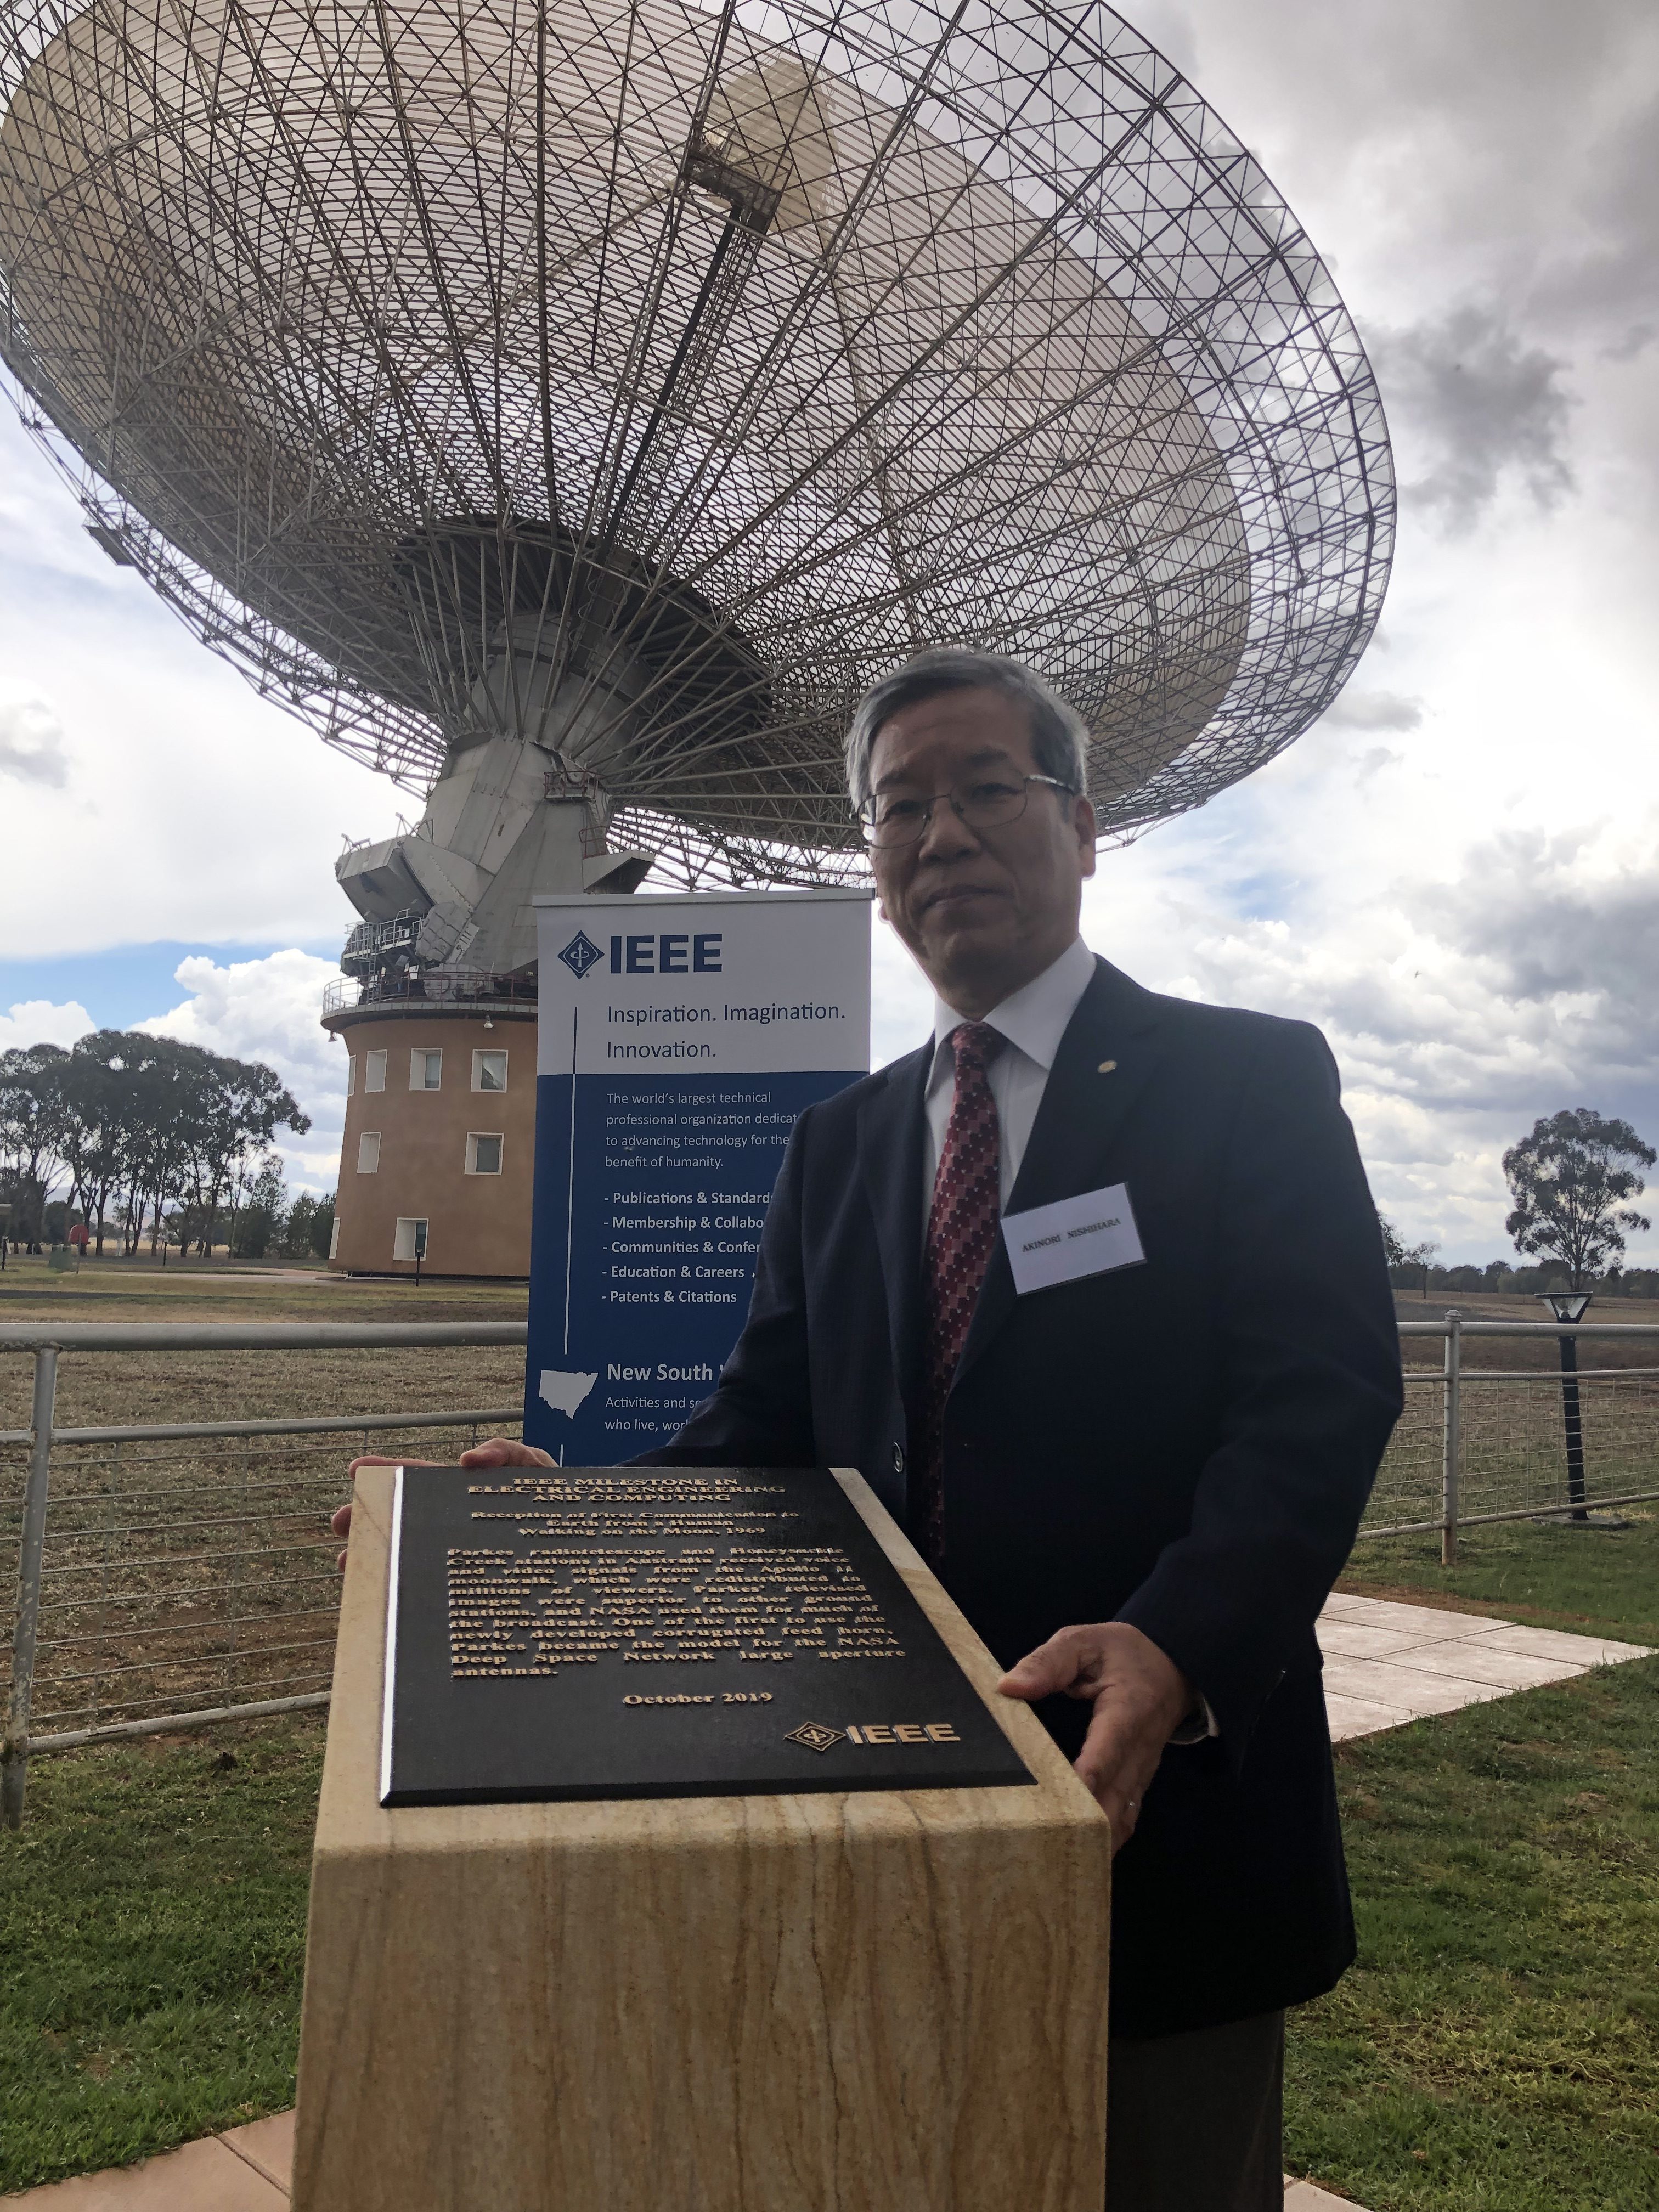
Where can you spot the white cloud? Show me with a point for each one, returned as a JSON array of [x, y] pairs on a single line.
[[32, 744], [200, 812], [38, 1021], [267, 1010], [1464, 993], [1360, 709]]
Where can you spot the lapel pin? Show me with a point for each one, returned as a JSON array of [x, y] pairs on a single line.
[[1106, 1067]]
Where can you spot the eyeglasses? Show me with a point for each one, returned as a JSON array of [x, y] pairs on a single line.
[[892, 818]]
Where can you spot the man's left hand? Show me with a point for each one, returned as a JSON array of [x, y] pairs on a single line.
[[1140, 1698]]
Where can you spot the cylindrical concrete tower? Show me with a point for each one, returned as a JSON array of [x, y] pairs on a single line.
[[437, 1162]]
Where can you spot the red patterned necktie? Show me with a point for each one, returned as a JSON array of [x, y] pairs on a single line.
[[961, 1228]]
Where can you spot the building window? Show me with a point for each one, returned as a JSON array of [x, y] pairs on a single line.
[[375, 1070], [410, 1241], [368, 1152], [334, 1239], [426, 1070], [351, 1074], [484, 1155], [489, 1071]]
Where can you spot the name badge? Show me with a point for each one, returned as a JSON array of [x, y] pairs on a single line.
[[1084, 1236]]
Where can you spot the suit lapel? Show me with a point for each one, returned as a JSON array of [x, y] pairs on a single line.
[[889, 1164], [1077, 1124]]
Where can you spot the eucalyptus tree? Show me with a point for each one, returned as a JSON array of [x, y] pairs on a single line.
[[1571, 1179], [31, 1135]]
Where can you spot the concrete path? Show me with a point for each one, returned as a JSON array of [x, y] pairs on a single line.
[[246, 2170], [1385, 1664]]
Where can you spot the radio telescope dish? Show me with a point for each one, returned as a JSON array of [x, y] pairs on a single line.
[[571, 410]]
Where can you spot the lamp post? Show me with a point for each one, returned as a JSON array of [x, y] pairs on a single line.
[[1570, 1307]]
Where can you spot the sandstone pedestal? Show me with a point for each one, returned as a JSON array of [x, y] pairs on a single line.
[[879, 2001]]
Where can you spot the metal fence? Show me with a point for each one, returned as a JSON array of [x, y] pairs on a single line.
[[172, 1574], [1492, 1443]]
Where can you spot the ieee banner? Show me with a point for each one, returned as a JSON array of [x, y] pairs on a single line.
[[680, 1039]]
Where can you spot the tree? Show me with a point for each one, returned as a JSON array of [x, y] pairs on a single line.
[[310, 1224], [263, 1213], [163, 1086], [239, 1107], [1398, 1254], [151, 1132], [96, 1106], [1570, 1180], [31, 1132]]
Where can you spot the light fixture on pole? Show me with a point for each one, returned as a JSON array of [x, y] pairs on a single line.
[[1569, 1307]]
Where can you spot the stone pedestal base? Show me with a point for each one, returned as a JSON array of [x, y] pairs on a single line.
[[881, 2002]]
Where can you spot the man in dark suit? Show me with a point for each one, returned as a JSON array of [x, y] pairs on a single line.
[[1140, 1480], [1139, 1483]]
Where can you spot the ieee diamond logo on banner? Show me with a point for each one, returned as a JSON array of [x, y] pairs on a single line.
[[580, 954]]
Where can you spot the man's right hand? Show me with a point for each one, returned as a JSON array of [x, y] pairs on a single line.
[[499, 1451]]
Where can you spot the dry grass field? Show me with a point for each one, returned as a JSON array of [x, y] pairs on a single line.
[[194, 1573], [1512, 1352], [118, 1389]]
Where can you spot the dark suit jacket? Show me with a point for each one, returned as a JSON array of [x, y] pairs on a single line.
[[1186, 1445]]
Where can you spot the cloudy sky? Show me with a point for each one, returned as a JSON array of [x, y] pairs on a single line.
[[1456, 874]]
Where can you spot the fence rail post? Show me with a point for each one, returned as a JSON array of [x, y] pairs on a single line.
[[1451, 1450], [14, 1750]]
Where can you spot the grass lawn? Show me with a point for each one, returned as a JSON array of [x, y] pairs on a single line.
[[1497, 2048], [152, 1939]]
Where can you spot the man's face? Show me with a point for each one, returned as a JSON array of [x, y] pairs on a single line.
[[982, 911]]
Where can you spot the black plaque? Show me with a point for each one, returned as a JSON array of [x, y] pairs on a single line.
[[660, 1633]]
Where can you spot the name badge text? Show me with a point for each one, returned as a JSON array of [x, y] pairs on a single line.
[[1088, 1235]]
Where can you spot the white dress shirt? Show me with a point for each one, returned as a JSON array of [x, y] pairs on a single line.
[[1033, 1020]]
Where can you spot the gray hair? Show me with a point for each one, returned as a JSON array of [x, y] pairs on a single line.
[[1060, 737]]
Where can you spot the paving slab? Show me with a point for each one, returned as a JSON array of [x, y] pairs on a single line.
[[1479, 1659], [1551, 1643], [1304, 2196], [1351, 1716], [1356, 1639], [202, 2176], [1433, 1623], [1408, 1689], [267, 2145], [1387, 1663]]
